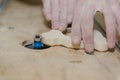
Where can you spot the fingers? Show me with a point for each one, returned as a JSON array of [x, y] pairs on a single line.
[[110, 26], [75, 32], [47, 9], [70, 10], [63, 15], [116, 10], [55, 14], [87, 29]]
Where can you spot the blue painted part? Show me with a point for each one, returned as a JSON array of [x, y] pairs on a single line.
[[37, 45]]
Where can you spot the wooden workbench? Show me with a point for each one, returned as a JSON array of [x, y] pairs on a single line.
[[21, 21]]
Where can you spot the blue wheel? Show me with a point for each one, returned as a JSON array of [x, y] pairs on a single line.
[[37, 43]]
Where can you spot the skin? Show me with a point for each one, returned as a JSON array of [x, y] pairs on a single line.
[[81, 14], [83, 21], [59, 12]]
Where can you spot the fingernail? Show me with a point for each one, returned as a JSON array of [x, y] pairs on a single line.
[[111, 44], [55, 25], [89, 48], [62, 27], [76, 42]]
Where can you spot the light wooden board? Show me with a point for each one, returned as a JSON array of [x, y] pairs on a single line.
[[20, 22]]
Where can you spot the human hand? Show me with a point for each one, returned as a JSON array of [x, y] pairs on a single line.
[[59, 12], [82, 27]]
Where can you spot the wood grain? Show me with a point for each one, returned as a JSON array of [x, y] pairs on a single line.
[[20, 22]]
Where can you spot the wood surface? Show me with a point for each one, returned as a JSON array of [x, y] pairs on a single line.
[[21, 21]]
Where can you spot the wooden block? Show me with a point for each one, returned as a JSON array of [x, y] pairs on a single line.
[[55, 37]]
